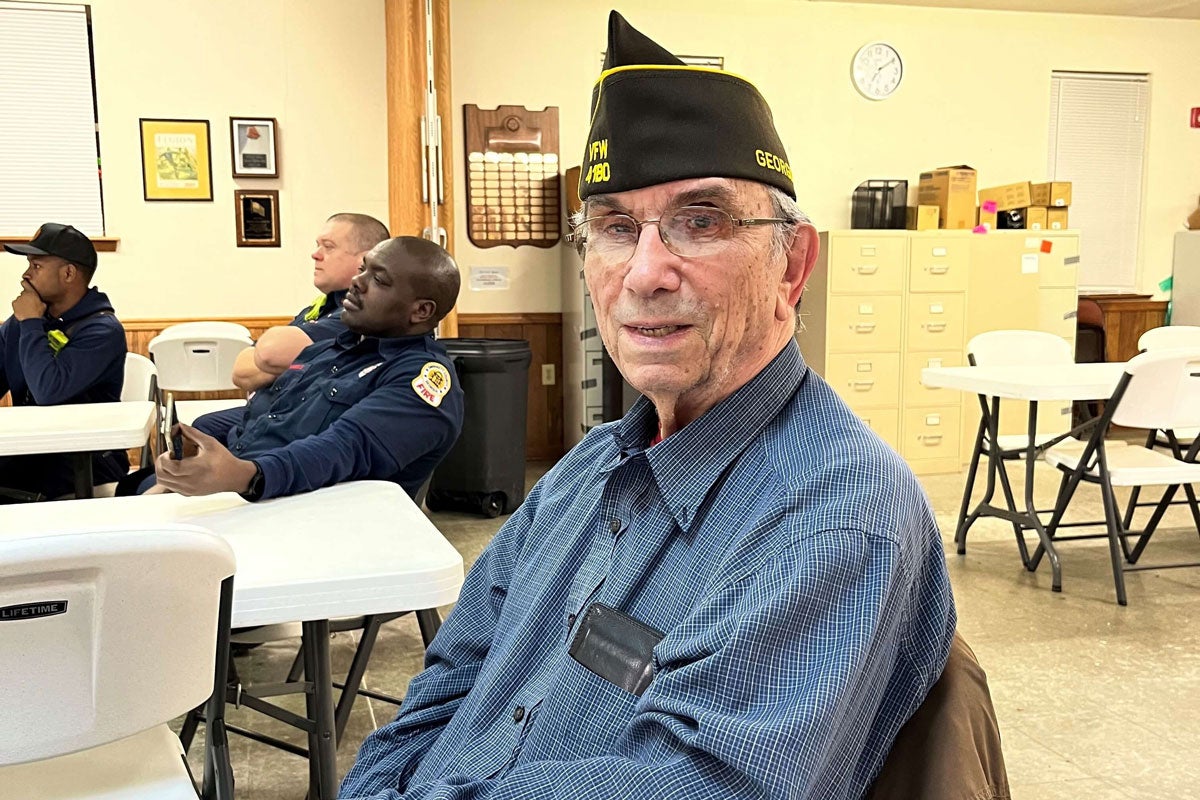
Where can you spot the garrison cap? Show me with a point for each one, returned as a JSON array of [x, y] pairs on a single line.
[[655, 119]]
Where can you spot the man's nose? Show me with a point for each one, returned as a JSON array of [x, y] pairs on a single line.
[[652, 267]]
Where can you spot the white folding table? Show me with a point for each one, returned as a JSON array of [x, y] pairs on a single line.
[[77, 429], [353, 549], [1032, 384]]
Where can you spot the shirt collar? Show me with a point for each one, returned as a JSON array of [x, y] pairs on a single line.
[[688, 463], [333, 302]]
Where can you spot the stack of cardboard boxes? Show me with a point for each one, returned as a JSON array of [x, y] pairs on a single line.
[[1031, 206], [946, 198]]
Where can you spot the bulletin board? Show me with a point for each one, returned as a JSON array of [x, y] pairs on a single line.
[[512, 176]]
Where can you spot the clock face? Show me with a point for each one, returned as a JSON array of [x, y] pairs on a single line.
[[876, 70]]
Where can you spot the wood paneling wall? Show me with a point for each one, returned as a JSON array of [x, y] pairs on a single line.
[[544, 427]]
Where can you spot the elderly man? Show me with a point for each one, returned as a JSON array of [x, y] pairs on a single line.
[[377, 401], [63, 344], [736, 591]]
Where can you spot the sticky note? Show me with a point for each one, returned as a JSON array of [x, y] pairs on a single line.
[[989, 206], [979, 229], [1047, 245], [1029, 264]]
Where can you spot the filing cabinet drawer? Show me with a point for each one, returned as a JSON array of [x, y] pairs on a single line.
[[938, 265], [866, 264], [935, 322], [869, 324], [885, 423], [865, 380], [931, 433], [917, 393]]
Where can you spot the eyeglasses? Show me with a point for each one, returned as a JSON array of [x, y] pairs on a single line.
[[688, 232]]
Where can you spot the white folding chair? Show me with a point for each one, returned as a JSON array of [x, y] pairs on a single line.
[[999, 349], [106, 636], [1159, 390], [198, 356]]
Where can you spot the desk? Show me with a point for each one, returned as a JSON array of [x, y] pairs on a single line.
[[1033, 384], [378, 554], [78, 429]]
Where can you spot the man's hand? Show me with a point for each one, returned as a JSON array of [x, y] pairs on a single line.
[[208, 469], [28, 304]]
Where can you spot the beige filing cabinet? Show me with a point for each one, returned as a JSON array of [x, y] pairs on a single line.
[[883, 305], [1015, 284]]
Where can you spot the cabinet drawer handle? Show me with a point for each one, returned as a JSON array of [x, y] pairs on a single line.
[[935, 327], [864, 327], [930, 441], [940, 269], [862, 386], [867, 269]]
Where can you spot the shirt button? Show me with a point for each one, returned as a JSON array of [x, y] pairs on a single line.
[[272, 416], [335, 368], [237, 446], [519, 713], [615, 526], [332, 391]]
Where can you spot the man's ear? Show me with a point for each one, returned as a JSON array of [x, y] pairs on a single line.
[[801, 259], [423, 311], [71, 274]]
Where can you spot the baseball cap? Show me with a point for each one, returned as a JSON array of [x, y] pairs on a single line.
[[56, 239]]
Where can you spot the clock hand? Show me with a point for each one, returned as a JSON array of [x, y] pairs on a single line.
[[886, 64]]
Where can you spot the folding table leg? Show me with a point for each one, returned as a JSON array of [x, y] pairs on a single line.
[[322, 743], [1112, 517], [430, 622], [83, 474], [1047, 543]]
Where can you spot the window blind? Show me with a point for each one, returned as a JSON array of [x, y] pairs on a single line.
[[49, 163], [1098, 142]]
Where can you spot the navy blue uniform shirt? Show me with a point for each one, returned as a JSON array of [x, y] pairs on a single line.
[[352, 408], [89, 368]]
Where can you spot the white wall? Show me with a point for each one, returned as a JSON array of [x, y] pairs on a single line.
[[976, 91], [317, 66]]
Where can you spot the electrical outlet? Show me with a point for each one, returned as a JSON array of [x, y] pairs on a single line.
[[547, 374]]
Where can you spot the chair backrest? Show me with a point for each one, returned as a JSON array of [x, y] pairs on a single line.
[[140, 378], [198, 356], [1163, 390], [1169, 336], [950, 748], [1015, 348], [104, 634]]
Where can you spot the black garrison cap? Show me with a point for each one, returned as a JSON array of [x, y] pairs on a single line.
[[656, 119]]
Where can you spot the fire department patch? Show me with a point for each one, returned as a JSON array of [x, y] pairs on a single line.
[[432, 384]]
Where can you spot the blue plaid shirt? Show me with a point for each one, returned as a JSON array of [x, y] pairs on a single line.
[[792, 561]]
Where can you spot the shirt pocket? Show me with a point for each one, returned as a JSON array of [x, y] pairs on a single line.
[[334, 398], [581, 717]]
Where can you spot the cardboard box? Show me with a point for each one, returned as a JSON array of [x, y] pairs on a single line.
[[1035, 218], [952, 190], [1056, 219], [1008, 196], [986, 218], [1056, 194], [921, 218]]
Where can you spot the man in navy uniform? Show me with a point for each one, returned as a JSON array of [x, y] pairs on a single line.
[[63, 344], [737, 591], [378, 401], [341, 245]]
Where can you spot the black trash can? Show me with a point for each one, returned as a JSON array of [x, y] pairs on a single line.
[[485, 470]]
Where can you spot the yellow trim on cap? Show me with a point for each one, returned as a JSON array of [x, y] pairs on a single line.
[[687, 67]]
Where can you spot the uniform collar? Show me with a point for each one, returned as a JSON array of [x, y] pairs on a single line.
[[688, 463], [333, 302], [388, 346]]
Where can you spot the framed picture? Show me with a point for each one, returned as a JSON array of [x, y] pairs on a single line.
[[176, 159], [257, 217], [253, 143]]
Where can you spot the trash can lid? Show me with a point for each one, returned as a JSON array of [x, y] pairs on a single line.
[[485, 347]]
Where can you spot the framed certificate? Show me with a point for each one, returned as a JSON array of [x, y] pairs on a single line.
[[257, 217], [253, 142]]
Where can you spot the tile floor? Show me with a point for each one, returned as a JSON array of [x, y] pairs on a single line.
[[1094, 700]]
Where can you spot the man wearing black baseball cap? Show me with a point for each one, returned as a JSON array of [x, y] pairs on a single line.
[[737, 591], [63, 344]]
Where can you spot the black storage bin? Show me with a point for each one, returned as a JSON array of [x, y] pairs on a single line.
[[485, 470], [879, 204]]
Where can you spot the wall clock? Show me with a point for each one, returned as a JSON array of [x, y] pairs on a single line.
[[876, 70]]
